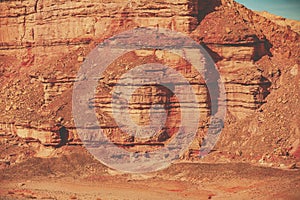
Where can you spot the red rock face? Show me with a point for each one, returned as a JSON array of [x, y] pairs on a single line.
[[43, 44]]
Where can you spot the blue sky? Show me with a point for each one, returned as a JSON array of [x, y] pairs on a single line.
[[286, 8]]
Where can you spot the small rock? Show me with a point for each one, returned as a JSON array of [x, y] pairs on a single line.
[[238, 153], [295, 147], [21, 184], [205, 179], [59, 120], [7, 108], [294, 70], [80, 59], [292, 166], [279, 100], [73, 197], [228, 30], [183, 179], [5, 161], [282, 166], [285, 101], [30, 196], [261, 161]]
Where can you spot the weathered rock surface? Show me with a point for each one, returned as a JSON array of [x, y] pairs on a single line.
[[43, 44], [292, 24]]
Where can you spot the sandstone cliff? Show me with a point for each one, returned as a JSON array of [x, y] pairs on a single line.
[[43, 44]]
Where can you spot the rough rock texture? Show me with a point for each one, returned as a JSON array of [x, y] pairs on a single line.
[[292, 24], [43, 44], [40, 22]]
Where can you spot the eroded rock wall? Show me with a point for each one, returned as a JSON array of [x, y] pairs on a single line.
[[43, 44]]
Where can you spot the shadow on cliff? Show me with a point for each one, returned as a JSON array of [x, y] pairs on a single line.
[[265, 85], [214, 55], [205, 7], [262, 49], [212, 78], [64, 136]]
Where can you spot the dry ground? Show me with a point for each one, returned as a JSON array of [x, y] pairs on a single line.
[[76, 175]]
